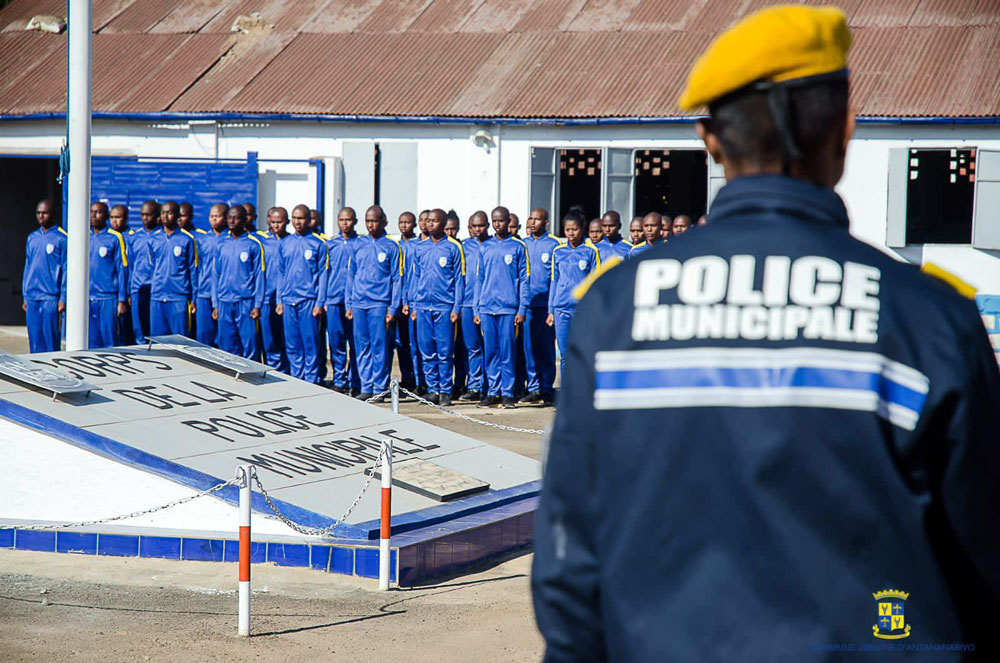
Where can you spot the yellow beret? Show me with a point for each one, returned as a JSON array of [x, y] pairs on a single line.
[[777, 44]]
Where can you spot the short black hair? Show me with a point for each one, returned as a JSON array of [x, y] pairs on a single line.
[[452, 214], [745, 125]]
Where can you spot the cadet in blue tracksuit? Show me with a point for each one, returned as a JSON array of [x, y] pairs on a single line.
[[571, 263], [771, 434], [613, 243], [118, 221], [539, 342], [374, 291], [410, 361], [238, 287], [140, 269], [439, 268], [206, 326], [339, 328], [272, 332], [652, 232], [452, 224], [108, 279], [472, 337], [43, 285], [174, 256], [501, 302], [301, 263]]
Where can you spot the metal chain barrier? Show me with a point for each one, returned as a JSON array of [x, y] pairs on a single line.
[[326, 531], [378, 396], [455, 413], [134, 514]]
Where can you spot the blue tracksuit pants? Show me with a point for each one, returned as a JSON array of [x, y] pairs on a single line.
[[406, 350], [103, 322], [472, 339], [140, 313], [437, 344], [372, 338], [207, 328], [237, 330], [168, 318], [498, 351], [340, 333], [563, 318], [539, 351], [461, 359], [43, 324], [302, 340], [272, 337]]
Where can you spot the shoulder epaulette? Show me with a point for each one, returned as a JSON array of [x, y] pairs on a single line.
[[638, 245], [121, 242], [583, 286], [960, 286], [199, 230], [62, 230], [262, 233]]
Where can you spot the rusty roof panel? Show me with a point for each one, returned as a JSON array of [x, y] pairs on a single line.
[[140, 16], [501, 75], [395, 16], [445, 15], [554, 15], [497, 15], [884, 12], [602, 15], [189, 16], [172, 74], [660, 15], [284, 15], [341, 16], [943, 12], [232, 73], [44, 90], [20, 54], [105, 11], [987, 12]]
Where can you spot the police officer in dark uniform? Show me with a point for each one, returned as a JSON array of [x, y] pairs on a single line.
[[773, 442]]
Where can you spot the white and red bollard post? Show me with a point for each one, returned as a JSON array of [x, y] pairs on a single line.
[[394, 395], [386, 522], [244, 591]]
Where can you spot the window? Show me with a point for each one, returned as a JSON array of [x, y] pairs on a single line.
[[579, 182], [943, 196], [672, 182]]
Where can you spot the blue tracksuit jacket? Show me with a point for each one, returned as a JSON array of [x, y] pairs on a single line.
[[642, 247], [174, 259], [375, 274], [763, 424], [239, 270], [502, 278], [340, 250], [301, 263], [108, 266], [540, 257], [570, 266], [270, 242], [439, 269], [45, 265], [606, 249], [141, 265], [471, 248]]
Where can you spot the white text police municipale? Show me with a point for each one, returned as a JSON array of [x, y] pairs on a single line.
[[811, 297]]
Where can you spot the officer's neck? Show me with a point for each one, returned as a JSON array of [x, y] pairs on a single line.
[[614, 239], [97, 229], [236, 232]]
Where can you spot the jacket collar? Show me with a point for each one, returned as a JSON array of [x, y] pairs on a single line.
[[779, 196]]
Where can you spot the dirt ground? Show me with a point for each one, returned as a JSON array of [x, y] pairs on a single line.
[[58, 607]]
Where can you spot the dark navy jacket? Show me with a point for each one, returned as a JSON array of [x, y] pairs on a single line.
[[761, 425]]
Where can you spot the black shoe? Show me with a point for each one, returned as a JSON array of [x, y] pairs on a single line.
[[409, 386], [421, 390], [433, 398], [339, 390], [471, 396], [533, 397], [363, 397], [444, 399], [507, 402], [355, 393], [548, 399], [489, 401]]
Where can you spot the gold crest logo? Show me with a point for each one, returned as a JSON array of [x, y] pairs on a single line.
[[890, 615]]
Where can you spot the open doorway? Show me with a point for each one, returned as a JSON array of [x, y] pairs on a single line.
[[579, 183], [24, 180], [939, 196], [671, 182]]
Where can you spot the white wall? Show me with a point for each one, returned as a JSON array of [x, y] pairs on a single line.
[[453, 172]]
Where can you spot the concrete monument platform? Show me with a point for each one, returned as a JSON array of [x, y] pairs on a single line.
[[166, 420]]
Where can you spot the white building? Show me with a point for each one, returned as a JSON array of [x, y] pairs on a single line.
[[471, 105]]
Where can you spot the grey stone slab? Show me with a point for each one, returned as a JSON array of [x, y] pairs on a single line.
[[431, 480], [212, 356], [332, 497], [118, 365], [48, 379]]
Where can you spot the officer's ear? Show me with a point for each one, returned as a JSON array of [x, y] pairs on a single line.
[[712, 144]]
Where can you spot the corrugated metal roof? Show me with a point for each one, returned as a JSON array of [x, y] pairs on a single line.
[[486, 58]]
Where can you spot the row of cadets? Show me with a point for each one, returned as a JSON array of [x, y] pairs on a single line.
[[239, 285], [108, 279], [572, 262], [501, 302], [43, 284], [206, 324], [538, 339], [438, 266], [339, 327], [173, 255], [652, 232], [272, 333], [374, 292], [301, 263]]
